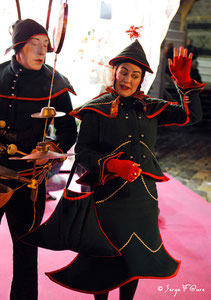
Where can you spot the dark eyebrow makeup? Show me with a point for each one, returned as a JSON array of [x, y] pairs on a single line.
[[133, 71]]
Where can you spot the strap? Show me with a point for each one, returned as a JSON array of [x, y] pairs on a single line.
[[72, 171]]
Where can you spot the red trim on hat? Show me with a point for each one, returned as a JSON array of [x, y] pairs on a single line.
[[120, 58], [26, 41]]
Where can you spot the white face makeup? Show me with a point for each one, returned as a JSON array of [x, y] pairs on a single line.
[[128, 78], [32, 55]]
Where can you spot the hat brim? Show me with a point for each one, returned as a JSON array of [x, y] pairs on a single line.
[[50, 49], [120, 59]]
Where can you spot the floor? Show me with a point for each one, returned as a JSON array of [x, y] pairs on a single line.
[[184, 223], [185, 153]]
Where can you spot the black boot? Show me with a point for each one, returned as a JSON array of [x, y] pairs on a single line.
[[101, 296], [127, 291]]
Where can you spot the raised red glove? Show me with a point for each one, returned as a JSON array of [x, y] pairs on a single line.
[[180, 67], [126, 169]]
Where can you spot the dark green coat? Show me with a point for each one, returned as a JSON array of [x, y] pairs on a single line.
[[125, 128], [112, 125], [24, 92]]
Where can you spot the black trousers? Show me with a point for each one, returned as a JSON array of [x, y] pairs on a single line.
[[20, 213]]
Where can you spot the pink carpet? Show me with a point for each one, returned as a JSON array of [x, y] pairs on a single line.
[[185, 225]]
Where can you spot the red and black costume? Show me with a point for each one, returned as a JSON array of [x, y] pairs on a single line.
[[125, 128], [24, 92]]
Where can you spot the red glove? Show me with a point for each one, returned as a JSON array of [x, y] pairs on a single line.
[[126, 169], [180, 67]]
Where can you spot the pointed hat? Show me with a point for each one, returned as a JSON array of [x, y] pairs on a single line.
[[134, 53]]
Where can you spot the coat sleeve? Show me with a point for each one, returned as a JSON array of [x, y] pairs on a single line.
[[187, 112], [90, 155], [66, 129]]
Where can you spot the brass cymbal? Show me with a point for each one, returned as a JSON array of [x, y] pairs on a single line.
[[48, 112], [5, 194], [42, 155]]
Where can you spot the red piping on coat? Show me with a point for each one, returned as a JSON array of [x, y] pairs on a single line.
[[103, 178], [115, 287], [75, 113], [178, 261], [120, 254], [162, 178], [193, 85], [72, 113], [78, 198], [82, 195], [158, 112], [187, 114], [40, 99]]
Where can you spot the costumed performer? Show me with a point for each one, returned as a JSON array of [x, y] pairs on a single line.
[[25, 83], [116, 148]]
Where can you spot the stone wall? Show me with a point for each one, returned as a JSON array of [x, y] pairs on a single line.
[[199, 26]]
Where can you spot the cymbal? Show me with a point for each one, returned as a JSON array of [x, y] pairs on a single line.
[[48, 112], [43, 155], [8, 173], [5, 194]]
